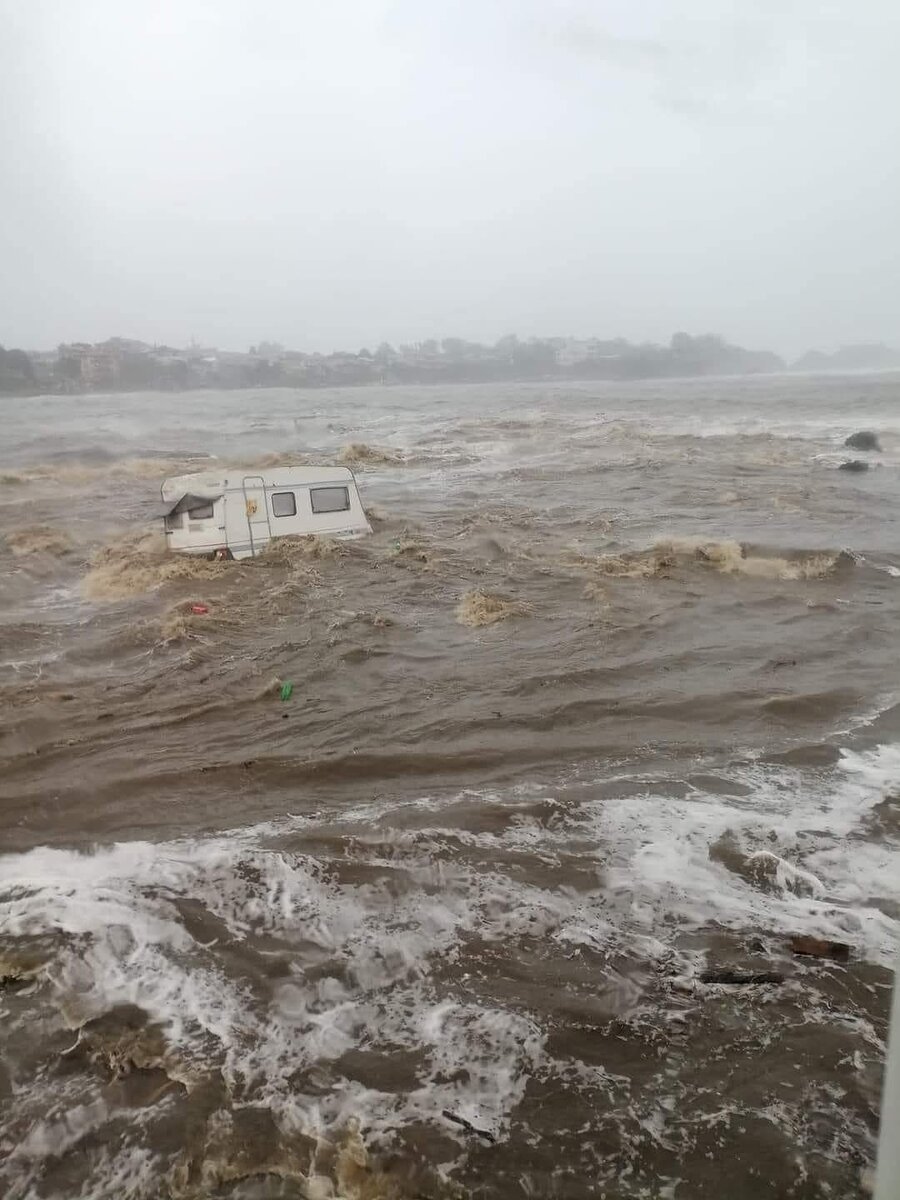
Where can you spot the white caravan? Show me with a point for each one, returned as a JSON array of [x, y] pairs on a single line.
[[237, 514]]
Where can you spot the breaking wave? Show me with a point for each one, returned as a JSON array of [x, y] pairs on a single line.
[[360, 454], [289, 551], [477, 608], [735, 558], [135, 971], [39, 539], [339, 1036], [411, 551], [184, 621], [726, 557], [130, 566]]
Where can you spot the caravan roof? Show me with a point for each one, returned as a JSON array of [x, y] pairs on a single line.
[[205, 486]]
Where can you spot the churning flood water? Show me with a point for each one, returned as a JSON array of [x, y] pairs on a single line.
[[609, 701]]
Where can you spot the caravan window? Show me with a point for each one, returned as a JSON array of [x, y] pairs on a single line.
[[329, 499], [284, 504], [203, 513]]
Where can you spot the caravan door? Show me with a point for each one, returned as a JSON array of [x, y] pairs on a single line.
[[257, 512]]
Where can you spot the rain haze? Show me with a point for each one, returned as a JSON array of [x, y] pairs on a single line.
[[329, 176], [449, 593]]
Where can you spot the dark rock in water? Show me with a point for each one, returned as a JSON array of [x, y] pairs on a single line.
[[18, 970], [854, 465], [468, 1126], [742, 977], [763, 869], [815, 947], [864, 440]]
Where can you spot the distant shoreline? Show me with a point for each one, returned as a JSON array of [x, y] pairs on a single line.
[[121, 366], [199, 389]]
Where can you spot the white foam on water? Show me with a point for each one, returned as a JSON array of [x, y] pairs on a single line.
[[123, 942], [126, 1172], [886, 568], [364, 959], [67, 598], [500, 1050], [787, 877], [869, 716], [659, 868], [18, 665], [57, 1135]]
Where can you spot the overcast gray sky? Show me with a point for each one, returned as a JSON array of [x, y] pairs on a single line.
[[331, 175]]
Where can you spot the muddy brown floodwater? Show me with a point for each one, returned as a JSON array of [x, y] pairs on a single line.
[[499, 903]]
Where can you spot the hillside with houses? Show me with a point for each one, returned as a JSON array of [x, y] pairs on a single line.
[[125, 364]]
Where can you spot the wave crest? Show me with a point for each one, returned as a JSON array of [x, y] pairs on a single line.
[[478, 608], [360, 454], [728, 557], [39, 539], [132, 565]]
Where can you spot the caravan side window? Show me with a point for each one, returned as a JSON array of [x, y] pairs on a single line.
[[284, 504], [329, 499], [203, 513]]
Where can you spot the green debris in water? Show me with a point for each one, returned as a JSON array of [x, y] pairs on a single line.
[[287, 690]]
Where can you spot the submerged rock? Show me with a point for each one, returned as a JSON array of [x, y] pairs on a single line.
[[814, 947], [15, 969], [764, 870], [854, 464], [468, 1126], [771, 873], [741, 977], [864, 440]]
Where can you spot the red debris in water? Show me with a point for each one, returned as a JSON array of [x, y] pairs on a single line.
[[199, 610]]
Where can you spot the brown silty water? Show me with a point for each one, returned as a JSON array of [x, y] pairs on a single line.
[[606, 706]]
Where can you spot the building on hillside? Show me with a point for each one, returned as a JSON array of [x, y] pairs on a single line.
[[91, 368]]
